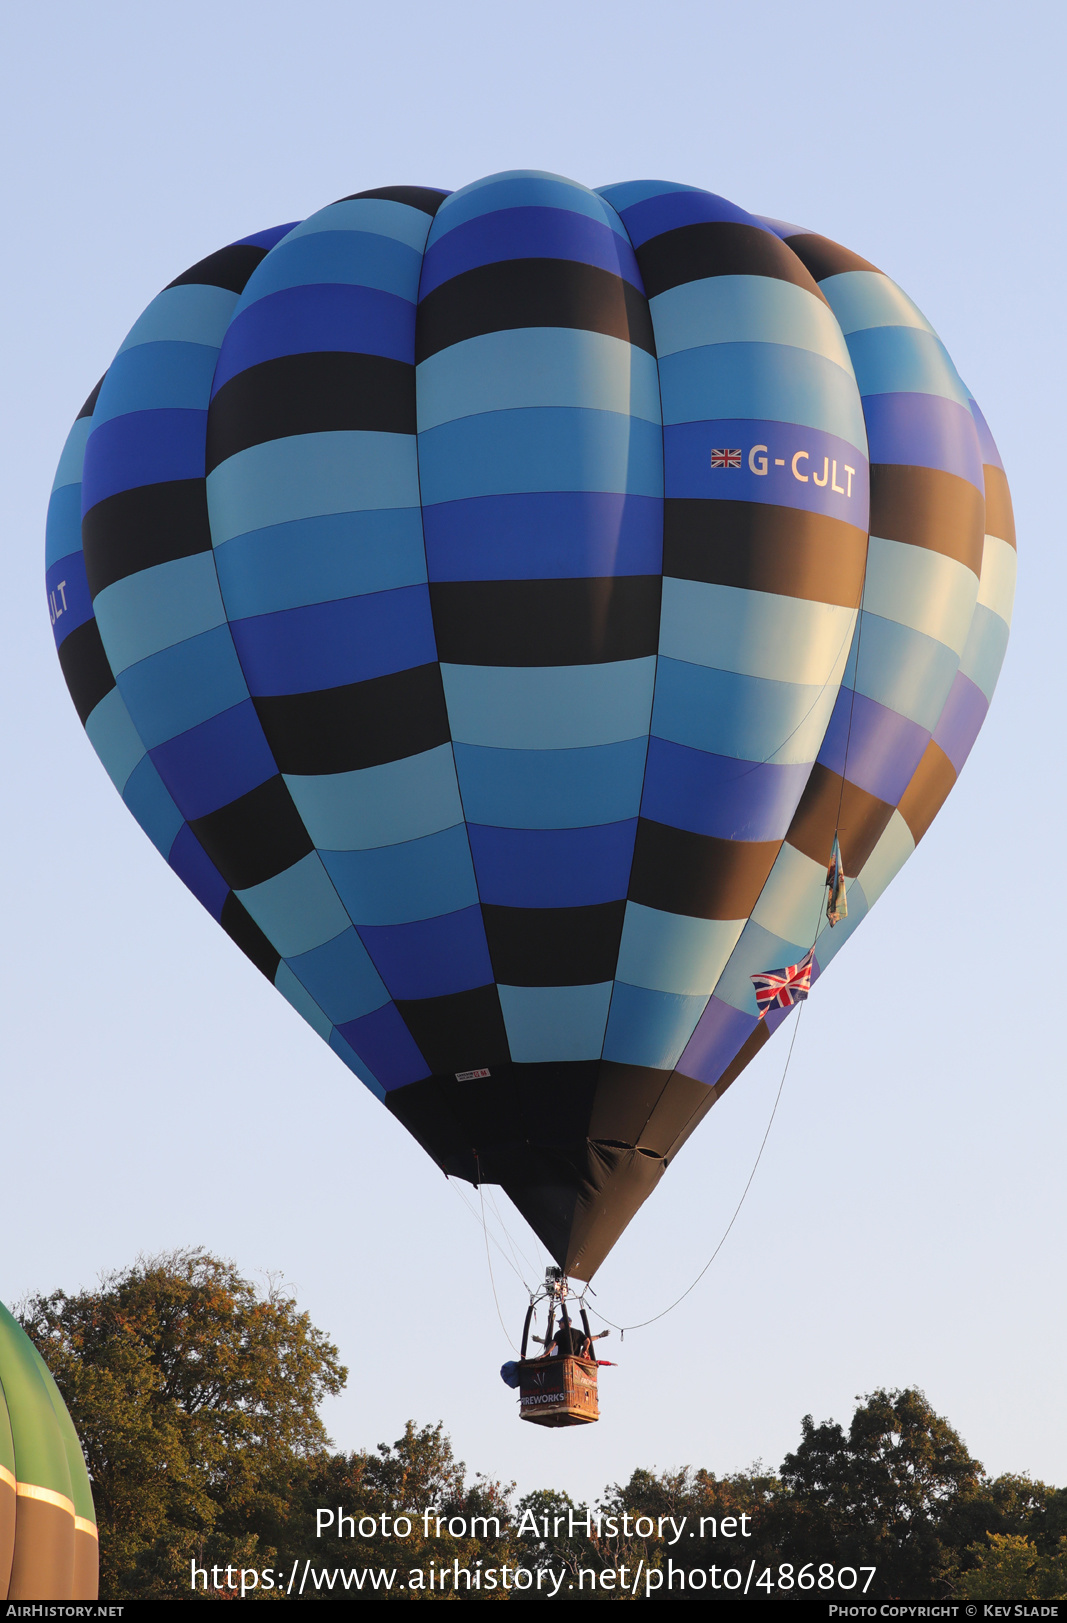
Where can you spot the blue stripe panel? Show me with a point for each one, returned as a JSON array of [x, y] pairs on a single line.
[[397, 884], [431, 957], [145, 448], [903, 669], [146, 796], [216, 762], [301, 1000], [300, 320], [549, 706], [548, 1023], [517, 188], [314, 560], [114, 738], [924, 431], [751, 717], [673, 208], [649, 1028], [195, 868], [568, 788], [547, 448], [688, 472], [986, 646], [69, 603], [192, 314], [719, 1034], [551, 534], [343, 472], [671, 952], [961, 720], [183, 686], [895, 360], [155, 375], [880, 748], [568, 867], [719, 794], [380, 805], [385, 1045], [326, 645], [769, 382], [297, 909], [144, 613], [341, 978], [63, 526], [527, 233]]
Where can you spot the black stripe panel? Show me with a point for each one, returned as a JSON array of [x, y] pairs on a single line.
[[310, 394], [229, 268], [718, 248], [764, 549], [554, 946], [90, 405], [254, 837], [697, 874], [824, 257], [242, 928], [137, 529], [927, 507], [531, 293], [546, 622], [426, 198], [85, 668], [362, 724], [461, 1032]]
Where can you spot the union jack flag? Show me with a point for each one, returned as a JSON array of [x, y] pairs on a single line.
[[781, 988], [725, 459]]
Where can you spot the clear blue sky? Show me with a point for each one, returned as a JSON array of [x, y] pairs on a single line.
[[907, 1223]]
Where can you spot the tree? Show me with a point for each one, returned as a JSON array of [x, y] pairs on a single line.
[[1010, 1567], [193, 1397]]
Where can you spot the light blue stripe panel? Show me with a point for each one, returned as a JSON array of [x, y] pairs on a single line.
[[547, 1023], [793, 900], [921, 589], [572, 788], [549, 707], [183, 686], [397, 884], [308, 474], [895, 846], [555, 448], [903, 669], [669, 953], [757, 951], [298, 909], [650, 1028], [730, 628], [831, 941], [147, 797], [144, 613], [340, 257], [861, 299], [891, 360], [114, 738], [72, 456], [380, 805], [997, 589], [154, 375], [341, 978], [744, 716], [537, 366], [519, 188], [624, 194], [745, 309], [984, 654], [302, 1001], [771, 382], [193, 314], [375, 214], [317, 560]]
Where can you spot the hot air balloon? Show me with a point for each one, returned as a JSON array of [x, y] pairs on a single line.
[[48, 1542], [495, 605]]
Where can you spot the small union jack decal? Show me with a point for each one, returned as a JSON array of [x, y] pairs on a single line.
[[781, 988], [726, 459]]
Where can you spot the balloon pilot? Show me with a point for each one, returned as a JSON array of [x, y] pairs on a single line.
[[557, 1386]]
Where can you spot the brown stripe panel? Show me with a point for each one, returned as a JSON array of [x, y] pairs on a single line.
[[926, 507], [765, 549], [999, 516], [824, 257], [546, 622], [697, 874], [43, 1564], [863, 820], [930, 786]]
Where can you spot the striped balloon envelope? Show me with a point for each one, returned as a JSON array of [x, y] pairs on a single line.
[[48, 1541], [492, 604]]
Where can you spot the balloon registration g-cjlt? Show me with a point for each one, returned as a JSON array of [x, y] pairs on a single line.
[[499, 607]]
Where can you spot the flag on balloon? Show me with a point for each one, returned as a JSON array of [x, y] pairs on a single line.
[[781, 988], [836, 900]]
